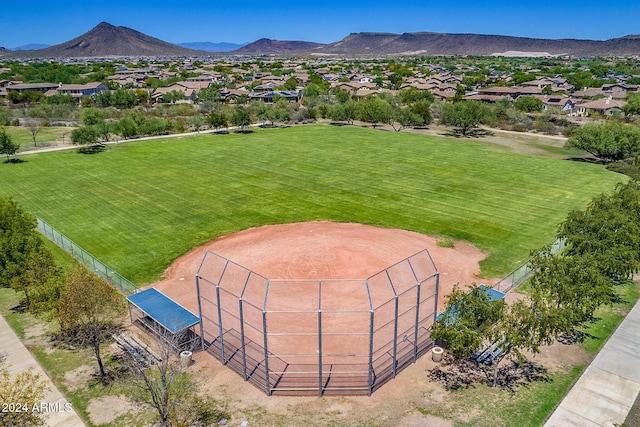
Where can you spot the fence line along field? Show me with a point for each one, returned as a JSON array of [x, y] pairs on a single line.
[[140, 205]]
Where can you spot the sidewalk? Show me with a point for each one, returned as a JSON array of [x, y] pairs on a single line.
[[608, 388], [19, 359]]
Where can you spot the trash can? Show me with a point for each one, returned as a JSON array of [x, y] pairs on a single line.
[[185, 358], [436, 354]]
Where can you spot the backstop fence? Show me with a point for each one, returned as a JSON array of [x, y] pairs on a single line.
[[317, 337], [523, 272], [97, 266]]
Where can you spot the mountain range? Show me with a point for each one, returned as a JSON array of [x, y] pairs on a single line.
[[213, 47], [106, 40]]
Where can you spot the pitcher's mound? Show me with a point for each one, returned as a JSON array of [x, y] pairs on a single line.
[[322, 250]]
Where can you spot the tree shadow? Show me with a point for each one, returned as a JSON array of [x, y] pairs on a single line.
[[470, 133], [244, 131], [11, 161], [586, 160], [575, 337], [92, 149], [20, 308], [220, 132], [457, 374]]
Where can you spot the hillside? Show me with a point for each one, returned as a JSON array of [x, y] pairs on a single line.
[[108, 40], [212, 47], [278, 46], [476, 44]]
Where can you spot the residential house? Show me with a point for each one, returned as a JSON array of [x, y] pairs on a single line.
[[289, 95], [31, 87], [563, 102], [77, 90], [603, 106], [189, 91]]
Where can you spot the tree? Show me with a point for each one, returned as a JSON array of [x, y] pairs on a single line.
[[266, 113], [609, 230], [22, 392], [217, 120], [241, 118], [291, 83], [422, 108], [528, 104], [123, 98], [7, 146], [166, 386], [91, 116], [89, 312], [142, 96], [374, 110], [103, 131], [467, 320], [84, 135], [412, 94], [568, 287], [34, 126], [341, 95], [404, 117], [609, 141], [126, 127], [196, 122], [466, 116], [210, 94], [19, 240], [173, 96]]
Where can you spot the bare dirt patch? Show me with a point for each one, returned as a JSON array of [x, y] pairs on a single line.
[[394, 404], [323, 250], [78, 378], [103, 410]]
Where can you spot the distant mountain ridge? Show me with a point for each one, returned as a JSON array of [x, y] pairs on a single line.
[[213, 47], [31, 46], [427, 43], [279, 46], [106, 40]]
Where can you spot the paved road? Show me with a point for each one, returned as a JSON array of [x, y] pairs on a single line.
[[608, 388], [19, 359]]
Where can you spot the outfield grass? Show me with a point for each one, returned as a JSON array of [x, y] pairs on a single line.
[[140, 205]]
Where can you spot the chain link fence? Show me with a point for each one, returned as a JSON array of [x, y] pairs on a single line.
[[523, 272], [97, 266]]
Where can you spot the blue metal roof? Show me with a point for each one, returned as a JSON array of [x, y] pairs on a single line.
[[168, 313], [491, 293]]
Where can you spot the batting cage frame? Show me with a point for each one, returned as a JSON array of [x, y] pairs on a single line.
[[317, 337]]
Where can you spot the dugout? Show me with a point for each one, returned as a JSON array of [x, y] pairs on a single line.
[[155, 312]]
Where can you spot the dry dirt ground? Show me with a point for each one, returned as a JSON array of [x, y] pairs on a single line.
[[395, 403], [323, 250], [103, 410]]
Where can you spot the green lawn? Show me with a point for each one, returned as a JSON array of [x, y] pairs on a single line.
[[140, 205], [45, 136]]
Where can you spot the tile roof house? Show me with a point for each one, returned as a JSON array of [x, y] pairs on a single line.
[[189, 95], [604, 106], [565, 103]]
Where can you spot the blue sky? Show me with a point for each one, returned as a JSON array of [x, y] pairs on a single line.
[[23, 22]]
